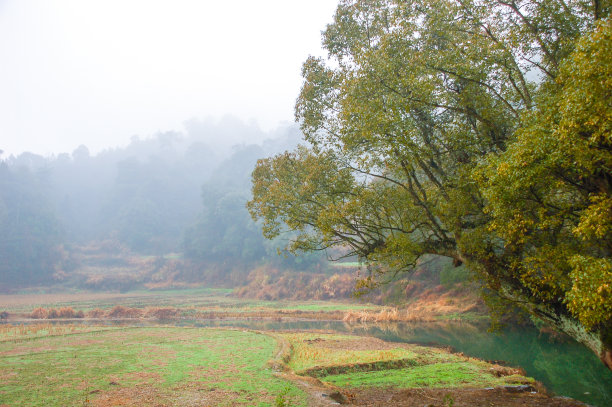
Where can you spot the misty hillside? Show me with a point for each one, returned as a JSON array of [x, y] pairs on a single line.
[[170, 195]]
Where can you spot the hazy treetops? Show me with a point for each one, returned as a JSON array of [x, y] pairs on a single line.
[[170, 193]]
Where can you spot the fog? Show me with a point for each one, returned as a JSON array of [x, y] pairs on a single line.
[[97, 73], [130, 129], [92, 220]]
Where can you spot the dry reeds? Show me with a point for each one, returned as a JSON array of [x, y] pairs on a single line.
[[12, 332], [96, 313], [119, 311], [52, 313], [385, 315], [161, 313]]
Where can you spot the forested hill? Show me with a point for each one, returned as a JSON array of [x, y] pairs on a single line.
[[169, 193]]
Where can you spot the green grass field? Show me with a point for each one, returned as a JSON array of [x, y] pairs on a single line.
[[76, 365], [142, 366], [42, 364]]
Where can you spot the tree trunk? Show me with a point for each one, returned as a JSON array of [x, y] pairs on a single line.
[[606, 357], [596, 340]]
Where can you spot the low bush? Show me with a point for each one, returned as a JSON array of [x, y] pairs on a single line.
[[96, 313], [162, 313], [119, 311], [39, 313], [53, 313]]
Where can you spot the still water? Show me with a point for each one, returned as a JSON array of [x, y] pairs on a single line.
[[565, 367]]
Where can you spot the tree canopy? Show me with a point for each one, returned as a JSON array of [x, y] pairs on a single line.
[[473, 129], [30, 233]]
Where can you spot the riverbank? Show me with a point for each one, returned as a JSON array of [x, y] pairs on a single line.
[[562, 365], [220, 304], [170, 366], [365, 371]]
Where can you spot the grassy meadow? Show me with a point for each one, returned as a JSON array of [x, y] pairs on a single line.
[[162, 366], [72, 365], [188, 303], [136, 363]]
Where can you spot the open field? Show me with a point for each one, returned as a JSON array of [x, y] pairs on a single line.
[[44, 365], [201, 299], [205, 303], [201, 303], [161, 366], [116, 327]]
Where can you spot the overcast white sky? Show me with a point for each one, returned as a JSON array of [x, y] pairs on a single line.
[[98, 72]]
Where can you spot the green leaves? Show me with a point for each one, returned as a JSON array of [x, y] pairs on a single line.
[[550, 193], [477, 130]]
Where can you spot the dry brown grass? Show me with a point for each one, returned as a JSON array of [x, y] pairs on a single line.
[[96, 313], [266, 283], [430, 305], [389, 315], [39, 313], [386, 315], [53, 313], [13, 332], [161, 313], [119, 311]]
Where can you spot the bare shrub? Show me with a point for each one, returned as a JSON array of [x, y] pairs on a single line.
[[39, 313], [162, 313], [119, 311], [65, 312], [96, 313]]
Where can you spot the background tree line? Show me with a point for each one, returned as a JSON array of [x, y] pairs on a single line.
[[171, 193]]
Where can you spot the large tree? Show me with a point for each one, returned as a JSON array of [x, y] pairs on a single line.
[[424, 136]]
